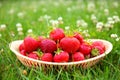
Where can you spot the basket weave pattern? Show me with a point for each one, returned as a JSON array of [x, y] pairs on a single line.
[[29, 62]]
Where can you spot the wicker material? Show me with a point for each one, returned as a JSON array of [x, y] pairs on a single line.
[[37, 63]]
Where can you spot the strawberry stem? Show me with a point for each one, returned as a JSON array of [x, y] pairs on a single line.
[[95, 52]]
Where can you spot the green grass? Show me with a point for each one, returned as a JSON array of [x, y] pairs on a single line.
[[12, 69]]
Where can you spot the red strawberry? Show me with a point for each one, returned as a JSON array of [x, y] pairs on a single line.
[[21, 47], [77, 56], [57, 34], [23, 52], [99, 43], [79, 37], [48, 46], [30, 44], [33, 55], [61, 57], [47, 57], [97, 50], [70, 44], [85, 48]]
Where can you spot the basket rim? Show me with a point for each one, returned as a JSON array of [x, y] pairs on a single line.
[[16, 52]]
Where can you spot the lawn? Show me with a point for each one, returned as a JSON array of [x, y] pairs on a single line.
[[98, 19]]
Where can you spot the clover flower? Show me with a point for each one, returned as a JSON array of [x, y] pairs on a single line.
[[19, 29], [54, 23], [116, 19], [93, 18], [91, 6], [21, 14], [99, 26], [11, 11], [81, 23], [67, 27], [85, 32], [29, 31], [106, 11], [2, 26], [60, 20], [117, 39], [0, 35], [46, 17], [115, 4], [113, 35], [18, 25]]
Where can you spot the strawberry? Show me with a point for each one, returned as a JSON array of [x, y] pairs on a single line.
[[21, 47], [47, 57], [70, 44], [85, 48], [57, 34], [79, 37], [23, 52], [48, 46], [99, 43], [30, 44], [97, 50], [61, 57], [77, 56], [33, 55]]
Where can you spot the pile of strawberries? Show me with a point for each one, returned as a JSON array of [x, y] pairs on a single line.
[[60, 47]]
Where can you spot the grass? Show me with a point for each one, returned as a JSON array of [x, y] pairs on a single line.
[[28, 14]]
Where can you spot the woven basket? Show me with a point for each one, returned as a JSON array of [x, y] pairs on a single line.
[[29, 62]]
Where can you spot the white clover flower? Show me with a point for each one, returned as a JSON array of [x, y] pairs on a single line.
[[84, 24], [113, 35], [81, 23], [29, 31], [99, 26], [1, 50], [12, 34], [20, 33], [20, 14], [18, 25], [110, 19], [85, 31], [2, 26], [91, 6], [111, 22], [54, 23], [93, 17], [78, 22], [51, 21], [11, 11], [115, 4], [60, 18], [19, 29], [107, 25], [117, 39], [106, 11], [0, 35], [46, 17], [67, 27], [116, 19]]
